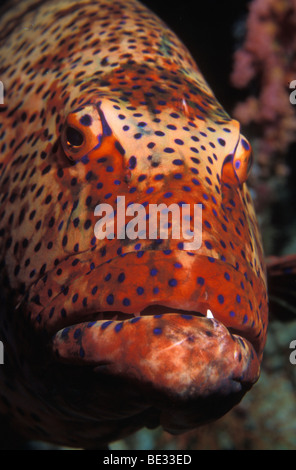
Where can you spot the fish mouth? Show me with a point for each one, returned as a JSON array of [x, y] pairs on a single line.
[[195, 360]]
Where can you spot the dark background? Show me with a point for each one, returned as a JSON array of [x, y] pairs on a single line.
[[207, 28]]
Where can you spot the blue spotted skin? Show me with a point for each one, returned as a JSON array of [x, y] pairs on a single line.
[[106, 336]]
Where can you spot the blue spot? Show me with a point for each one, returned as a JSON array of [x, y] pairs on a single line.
[[155, 290], [86, 120], [74, 298], [211, 260], [220, 299], [81, 352], [227, 277], [121, 277], [245, 144], [132, 162], [153, 272], [65, 332], [157, 331], [178, 265], [200, 281], [232, 313], [94, 290], [77, 333], [187, 317], [119, 148], [126, 302], [105, 324], [85, 159], [140, 290], [134, 320], [159, 315], [177, 162], [118, 327], [245, 319], [90, 324], [110, 299]]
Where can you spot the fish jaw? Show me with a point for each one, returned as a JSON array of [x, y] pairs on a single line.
[[194, 358], [193, 364]]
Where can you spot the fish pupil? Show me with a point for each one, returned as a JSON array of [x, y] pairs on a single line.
[[74, 137]]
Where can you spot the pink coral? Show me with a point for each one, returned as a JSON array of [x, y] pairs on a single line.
[[267, 58]]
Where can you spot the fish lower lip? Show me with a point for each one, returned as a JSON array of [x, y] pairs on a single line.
[[171, 334], [179, 361]]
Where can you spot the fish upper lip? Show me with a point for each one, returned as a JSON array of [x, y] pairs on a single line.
[[104, 315]]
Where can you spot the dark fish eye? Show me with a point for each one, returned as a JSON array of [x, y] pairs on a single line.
[[74, 138]]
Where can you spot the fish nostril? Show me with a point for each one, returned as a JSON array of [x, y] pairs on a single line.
[[74, 138]]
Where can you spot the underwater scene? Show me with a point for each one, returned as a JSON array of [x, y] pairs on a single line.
[[147, 225]]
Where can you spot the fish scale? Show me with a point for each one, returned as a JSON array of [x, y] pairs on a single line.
[[102, 100]]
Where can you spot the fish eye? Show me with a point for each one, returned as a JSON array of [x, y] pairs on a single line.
[[74, 138]]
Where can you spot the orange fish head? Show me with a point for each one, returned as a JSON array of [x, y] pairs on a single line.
[[176, 301]]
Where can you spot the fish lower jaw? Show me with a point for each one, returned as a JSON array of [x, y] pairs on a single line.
[[179, 361], [120, 339]]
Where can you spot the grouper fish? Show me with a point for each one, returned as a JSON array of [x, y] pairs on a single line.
[[103, 335]]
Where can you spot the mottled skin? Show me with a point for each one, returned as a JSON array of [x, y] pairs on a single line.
[[101, 100]]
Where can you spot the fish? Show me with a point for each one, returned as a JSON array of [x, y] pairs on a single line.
[[104, 336]]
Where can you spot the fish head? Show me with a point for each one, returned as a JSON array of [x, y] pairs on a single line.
[[130, 251], [185, 316]]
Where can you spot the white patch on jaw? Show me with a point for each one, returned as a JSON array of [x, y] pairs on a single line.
[[209, 314]]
